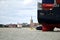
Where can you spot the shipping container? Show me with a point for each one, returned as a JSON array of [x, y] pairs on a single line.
[[48, 1], [47, 6], [58, 1], [56, 11], [49, 16]]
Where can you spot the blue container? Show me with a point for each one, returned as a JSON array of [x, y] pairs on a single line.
[[48, 1]]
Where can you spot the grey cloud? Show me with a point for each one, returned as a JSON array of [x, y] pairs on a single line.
[[13, 11]]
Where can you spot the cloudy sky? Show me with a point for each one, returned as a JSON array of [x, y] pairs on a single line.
[[18, 11]]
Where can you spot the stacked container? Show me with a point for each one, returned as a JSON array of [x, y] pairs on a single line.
[[47, 4], [58, 1], [48, 1]]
